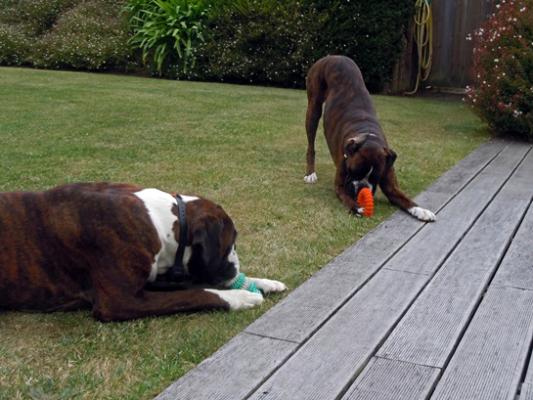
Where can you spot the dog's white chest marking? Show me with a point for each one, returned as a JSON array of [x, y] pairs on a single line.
[[159, 205]]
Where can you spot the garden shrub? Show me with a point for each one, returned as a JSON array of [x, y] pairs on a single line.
[[256, 41], [370, 32], [502, 93], [276, 42], [14, 45], [82, 34], [21, 21], [167, 32], [92, 35], [33, 17]]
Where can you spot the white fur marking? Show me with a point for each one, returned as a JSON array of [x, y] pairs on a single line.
[[159, 205], [238, 299], [233, 257], [187, 199], [311, 178], [422, 214], [267, 285]]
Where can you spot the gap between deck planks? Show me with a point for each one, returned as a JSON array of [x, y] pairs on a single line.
[[250, 358], [427, 335], [328, 361]]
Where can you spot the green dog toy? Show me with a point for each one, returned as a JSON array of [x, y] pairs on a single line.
[[242, 282]]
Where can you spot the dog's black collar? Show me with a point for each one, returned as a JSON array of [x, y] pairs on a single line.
[[177, 276], [178, 272]]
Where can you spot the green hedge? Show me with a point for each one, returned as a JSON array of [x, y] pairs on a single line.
[[250, 41], [262, 41], [80, 34], [370, 32], [255, 41]]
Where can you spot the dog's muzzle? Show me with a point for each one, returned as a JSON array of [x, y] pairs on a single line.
[[357, 185]]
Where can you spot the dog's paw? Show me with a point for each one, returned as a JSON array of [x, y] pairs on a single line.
[[238, 299], [356, 211], [267, 285], [311, 178], [422, 214]]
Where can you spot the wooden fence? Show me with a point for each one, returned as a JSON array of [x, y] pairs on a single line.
[[453, 21]]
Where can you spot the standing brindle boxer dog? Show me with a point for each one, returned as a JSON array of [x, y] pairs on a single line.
[[355, 138], [105, 246]]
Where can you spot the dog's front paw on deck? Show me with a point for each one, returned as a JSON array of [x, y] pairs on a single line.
[[238, 299], [422, 214]]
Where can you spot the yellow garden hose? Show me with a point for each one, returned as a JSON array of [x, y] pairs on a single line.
[[424, 40]]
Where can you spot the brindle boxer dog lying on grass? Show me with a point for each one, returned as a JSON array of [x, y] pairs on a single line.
[[355, 138], [114, 248]]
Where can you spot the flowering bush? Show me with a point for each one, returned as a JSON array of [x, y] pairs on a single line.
[[82, 34], [20, 22], [14, 45], [92, 35], [502, 93], [255, 41]]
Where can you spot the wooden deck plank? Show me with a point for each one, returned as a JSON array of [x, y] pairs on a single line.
[[526, 392], [490, 359], [420, 255], [233, 371], [468, 167], [300, 314], [517, 270], [322, 367], [429, 331], [392, 380]]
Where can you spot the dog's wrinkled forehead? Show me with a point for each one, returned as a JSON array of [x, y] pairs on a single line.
[[366, 162]]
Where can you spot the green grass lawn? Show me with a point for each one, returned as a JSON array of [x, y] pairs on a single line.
[[241, 146]]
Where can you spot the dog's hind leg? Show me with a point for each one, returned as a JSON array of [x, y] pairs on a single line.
[[315, 98]]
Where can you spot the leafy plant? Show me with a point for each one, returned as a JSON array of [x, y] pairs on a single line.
[[167, 31], [502, 93]]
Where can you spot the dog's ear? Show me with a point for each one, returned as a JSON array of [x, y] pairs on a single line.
[[206, 239], [353, 144], [390, 158]]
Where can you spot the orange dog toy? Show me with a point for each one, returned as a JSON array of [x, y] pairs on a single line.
[[365, 200]]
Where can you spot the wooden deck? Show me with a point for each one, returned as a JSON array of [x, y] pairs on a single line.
[[411, 311]]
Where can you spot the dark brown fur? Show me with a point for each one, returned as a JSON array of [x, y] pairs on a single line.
[[349, 113], [92, 246]]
